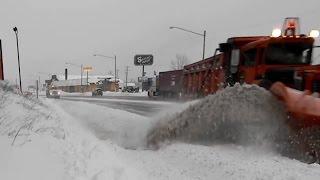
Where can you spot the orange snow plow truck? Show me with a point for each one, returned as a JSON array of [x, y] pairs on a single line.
[[281, 63]]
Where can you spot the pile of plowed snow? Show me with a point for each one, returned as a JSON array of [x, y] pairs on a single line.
[[55, 139], [22, 117], [39, 140], [242, 114]]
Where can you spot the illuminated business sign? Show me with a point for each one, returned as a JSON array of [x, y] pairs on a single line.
[[87, 68], [143, 60]]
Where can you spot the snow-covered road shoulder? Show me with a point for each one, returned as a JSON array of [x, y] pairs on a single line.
[[39, 140], [75, 140]]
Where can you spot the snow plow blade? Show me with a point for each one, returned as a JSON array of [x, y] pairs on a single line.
[[302, 107]]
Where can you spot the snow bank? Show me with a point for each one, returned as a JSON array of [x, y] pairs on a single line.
[[188, 162], [38, 140], [107, 93], [76, 94], [71, 140], [126, 129], [240, 114], [24, 116]]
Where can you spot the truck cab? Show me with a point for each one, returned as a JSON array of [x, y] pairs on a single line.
[[264, 60]]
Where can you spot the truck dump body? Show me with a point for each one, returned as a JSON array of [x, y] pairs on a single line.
[[170, 83], [203, 77]]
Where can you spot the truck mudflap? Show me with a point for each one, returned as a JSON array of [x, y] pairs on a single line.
[[303, 108]]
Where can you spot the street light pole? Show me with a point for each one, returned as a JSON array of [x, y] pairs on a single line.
[[115, 69], [204, 43], [127, 72], [203, 35], [81, 72], [115, 66], [1, 63], [15, 29], [81, 79]]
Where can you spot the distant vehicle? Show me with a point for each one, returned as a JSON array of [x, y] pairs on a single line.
[[130, 88], [168, 84], [97, 92], [154, 88], [53, 94]]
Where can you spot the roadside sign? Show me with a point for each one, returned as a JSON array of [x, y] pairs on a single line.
[[87, 68], [143, 59]]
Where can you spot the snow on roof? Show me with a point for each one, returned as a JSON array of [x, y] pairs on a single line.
[[75, 80], [62, 77], [71, 82], [130, 84]]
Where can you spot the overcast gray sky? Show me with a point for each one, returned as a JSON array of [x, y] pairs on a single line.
[[58, 31]]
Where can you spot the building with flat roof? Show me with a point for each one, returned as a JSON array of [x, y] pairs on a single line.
[[88, 84]]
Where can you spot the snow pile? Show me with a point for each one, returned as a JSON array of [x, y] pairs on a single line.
[[22, 117], [110, 93], [123, 128], [230, 162], [38, 140], [23, 123], [107, 93], [56, 139], [243, 114]]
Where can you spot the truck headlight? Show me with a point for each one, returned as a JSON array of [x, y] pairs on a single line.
[[314, 33], [276, 33]]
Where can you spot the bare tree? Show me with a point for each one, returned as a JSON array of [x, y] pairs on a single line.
[[180, 61], [110, 73]]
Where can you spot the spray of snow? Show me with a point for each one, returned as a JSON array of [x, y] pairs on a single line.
[[242, 114], [123, 128]]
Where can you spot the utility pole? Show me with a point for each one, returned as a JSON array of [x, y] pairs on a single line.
[[127, 72], [204, 44], [115, 71], [118, 72], [37, 85], [15, 29], [1, 63], [81, 78], [142, 71], [87, 78]]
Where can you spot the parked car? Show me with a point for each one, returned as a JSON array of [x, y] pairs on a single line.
[[130, 89], [97, 92], [53, 94]]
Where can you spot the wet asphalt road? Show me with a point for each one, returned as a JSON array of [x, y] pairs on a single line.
[[135, 104]]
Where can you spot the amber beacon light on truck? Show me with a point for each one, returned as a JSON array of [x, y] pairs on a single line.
[[291, 28]]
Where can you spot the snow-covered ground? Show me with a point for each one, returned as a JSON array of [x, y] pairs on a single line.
[[52, 139], [107, 93]]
